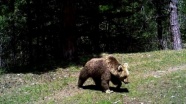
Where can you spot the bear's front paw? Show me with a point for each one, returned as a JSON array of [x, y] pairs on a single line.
[[118, 87], [126, 82], [109, 91]]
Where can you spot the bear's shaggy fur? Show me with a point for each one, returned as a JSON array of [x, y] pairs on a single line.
[[103, 70]]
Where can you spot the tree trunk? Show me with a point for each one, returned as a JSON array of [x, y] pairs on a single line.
[[174, 25], [13, 38], [69, 48], [30, 48], [69, 38], [159, 12], [1, 51], [159, 29]]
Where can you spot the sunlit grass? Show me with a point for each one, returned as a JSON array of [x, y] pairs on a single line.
[[94, 97], [167, 89]]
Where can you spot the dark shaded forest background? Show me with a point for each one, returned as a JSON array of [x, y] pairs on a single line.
[[44, 33]]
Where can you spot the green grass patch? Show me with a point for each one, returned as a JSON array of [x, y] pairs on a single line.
[[166, 89], [94, 97], [34, 92]]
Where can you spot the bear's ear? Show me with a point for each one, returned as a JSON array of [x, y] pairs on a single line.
[[119, 68], [125, 65]]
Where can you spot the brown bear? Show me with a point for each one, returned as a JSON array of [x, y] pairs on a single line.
[[103, 70]]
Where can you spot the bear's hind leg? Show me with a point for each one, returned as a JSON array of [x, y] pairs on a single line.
[[81, 81], [82, 78]]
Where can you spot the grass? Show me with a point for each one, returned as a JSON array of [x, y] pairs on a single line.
[[34, 90], [26, 94], [169, 88], [155, 77]]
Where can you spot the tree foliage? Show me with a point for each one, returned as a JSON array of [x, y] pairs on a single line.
[[45, 32]]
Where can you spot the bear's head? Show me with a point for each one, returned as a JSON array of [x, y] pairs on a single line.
[[123, 73], [117, 69]]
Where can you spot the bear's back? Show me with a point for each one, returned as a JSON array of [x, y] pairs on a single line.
[[96, 66]]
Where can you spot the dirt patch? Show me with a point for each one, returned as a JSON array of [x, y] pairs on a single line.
[[58, 96], [164, 72]]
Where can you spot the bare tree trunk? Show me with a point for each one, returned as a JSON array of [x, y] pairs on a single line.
[[174, 25]]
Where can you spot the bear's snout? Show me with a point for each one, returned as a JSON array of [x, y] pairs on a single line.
[[125, 80]]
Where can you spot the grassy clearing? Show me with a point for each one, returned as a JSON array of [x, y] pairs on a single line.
[[155, 77]]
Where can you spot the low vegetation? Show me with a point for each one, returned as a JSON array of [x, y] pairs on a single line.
[[154, 77]]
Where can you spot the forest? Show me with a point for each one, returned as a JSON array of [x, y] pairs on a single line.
[[45, 33]]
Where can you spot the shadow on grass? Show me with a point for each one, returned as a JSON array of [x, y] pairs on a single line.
[[45, 66], [96, 88]]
